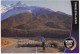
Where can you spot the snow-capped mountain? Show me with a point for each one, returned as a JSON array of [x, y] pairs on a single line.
[[20, 4], [21, 8], [34, 21], [4, 9], [15, 9]]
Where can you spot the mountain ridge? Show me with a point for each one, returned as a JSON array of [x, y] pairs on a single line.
[[21, 8]]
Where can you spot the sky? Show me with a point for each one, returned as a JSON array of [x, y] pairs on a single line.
[[57, 5]]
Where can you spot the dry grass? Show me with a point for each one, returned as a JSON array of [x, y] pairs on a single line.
[[6, 42]]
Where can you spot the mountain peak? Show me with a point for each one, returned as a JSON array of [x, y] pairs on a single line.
[[20, 4]]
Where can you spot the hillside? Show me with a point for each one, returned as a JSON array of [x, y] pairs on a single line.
[[26, 24]]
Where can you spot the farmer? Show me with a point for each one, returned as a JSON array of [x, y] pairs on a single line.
[[43, 42]]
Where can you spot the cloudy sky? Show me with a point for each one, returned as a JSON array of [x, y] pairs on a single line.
[[57, 5]]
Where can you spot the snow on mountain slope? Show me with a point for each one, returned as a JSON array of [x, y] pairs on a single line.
[[15, 9], [20, 4], [4, 9]]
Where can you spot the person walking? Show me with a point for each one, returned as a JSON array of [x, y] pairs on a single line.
[[43, 42]]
